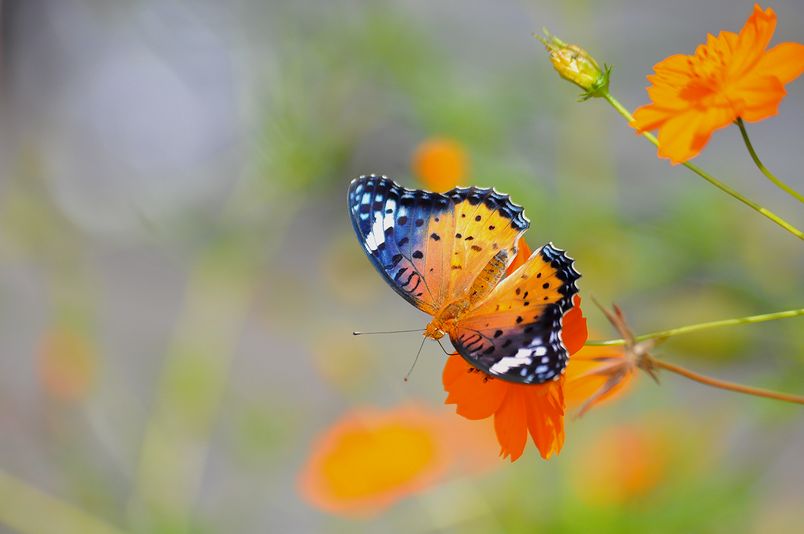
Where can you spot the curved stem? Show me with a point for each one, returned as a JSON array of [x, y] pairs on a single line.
[[780, 184], [730, 386], [703, 326], [709, 178]]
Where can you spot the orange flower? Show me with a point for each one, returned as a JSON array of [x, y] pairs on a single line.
[[67, 364], [731, 76], [372, 458], [595, 375], [623, 463], [440, 164], [518, 409]]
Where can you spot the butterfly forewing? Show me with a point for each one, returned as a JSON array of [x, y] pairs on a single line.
[[392, 223], [515, 333], [430, 247], [486, 223]]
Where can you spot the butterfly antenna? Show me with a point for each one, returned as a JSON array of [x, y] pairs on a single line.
[[387, 332], [416, 359]]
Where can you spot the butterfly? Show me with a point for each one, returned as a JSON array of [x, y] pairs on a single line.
[[447, 254]]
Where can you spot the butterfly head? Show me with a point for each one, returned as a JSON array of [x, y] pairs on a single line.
[[444, 323], [434, 330]]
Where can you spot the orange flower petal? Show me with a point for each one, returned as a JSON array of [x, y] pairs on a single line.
[[573, 330], [454, 369], [475, 395], [517, 408], [589, 372], [522, 255], [677, 136], [672, 70], [650, 117], [545, 417], [511, 423], [753, 40], [760, 97], [784, 61]]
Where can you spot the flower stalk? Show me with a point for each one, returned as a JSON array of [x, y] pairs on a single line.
[[780, 184], [708, 177], [722, 384], [688, 329], [638, 348]]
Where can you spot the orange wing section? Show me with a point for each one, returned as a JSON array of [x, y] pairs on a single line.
[[486, 223], [515, 333]]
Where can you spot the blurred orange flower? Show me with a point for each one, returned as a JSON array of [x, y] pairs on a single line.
[[67, 364], [623, 463], [372, 458], [595, 375], [731, 76], [518, 409], [440, 164]]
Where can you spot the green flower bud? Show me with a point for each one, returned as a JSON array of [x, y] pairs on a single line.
[[574, 64]]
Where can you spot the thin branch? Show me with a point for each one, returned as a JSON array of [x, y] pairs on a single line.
[[722, 384], [662, 334]]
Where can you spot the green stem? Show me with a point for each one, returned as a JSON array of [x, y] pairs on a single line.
[[709, 178], [703, 326], [780, 184]]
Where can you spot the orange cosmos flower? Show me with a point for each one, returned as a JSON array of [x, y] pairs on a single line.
[[595, 375], [623, 463], [518, 409], [731, 76], [440, 164], [372, 458]]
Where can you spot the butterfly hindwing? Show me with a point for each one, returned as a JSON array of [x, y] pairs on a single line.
[[430, 247], [515, 333]]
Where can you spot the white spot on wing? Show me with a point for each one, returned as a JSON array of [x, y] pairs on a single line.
[[377, 236], [388, 220], [521, 358]]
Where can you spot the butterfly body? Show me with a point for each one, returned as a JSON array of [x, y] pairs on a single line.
[[447, 254], [445, 320]]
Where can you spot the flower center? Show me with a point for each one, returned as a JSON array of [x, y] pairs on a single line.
[[708, 69]]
